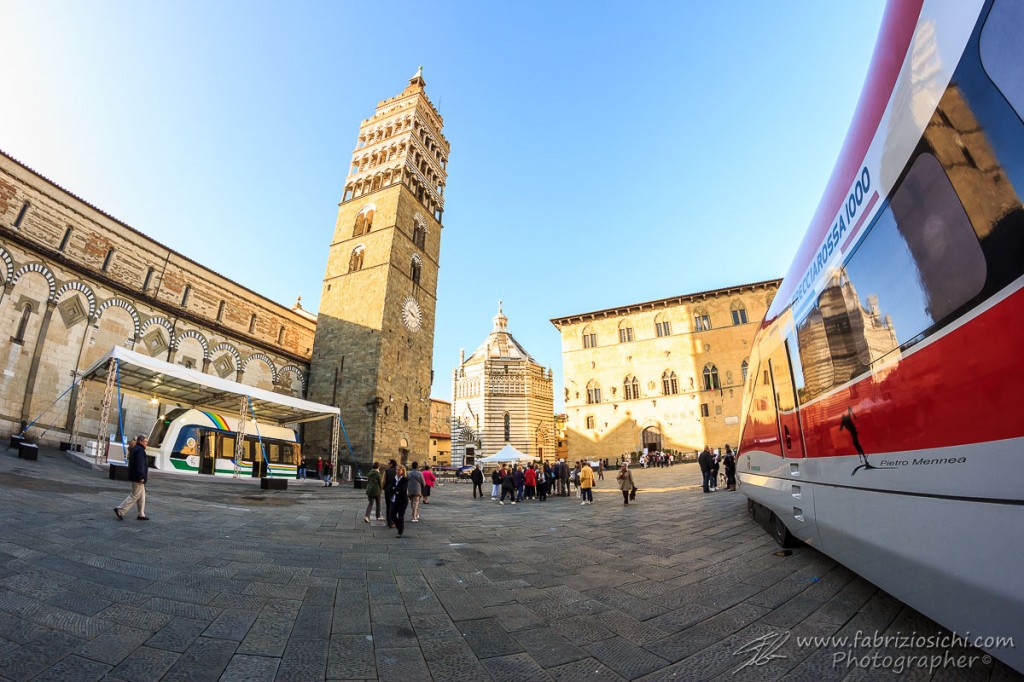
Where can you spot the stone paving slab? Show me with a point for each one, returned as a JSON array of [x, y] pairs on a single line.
[[230, 582]]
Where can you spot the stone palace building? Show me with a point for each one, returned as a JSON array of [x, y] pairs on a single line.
[[659, 375]]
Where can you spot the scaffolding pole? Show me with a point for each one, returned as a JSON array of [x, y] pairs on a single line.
[[101, 436], [240, 438]]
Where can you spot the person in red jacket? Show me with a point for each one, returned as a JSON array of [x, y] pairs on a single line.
[[429, 481], [530, 481]]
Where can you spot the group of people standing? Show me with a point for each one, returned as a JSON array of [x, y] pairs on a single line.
[[533, 481], [710, 465], [655, 459], [401, 489]]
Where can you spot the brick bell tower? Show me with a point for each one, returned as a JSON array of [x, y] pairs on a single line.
[[373, 351]]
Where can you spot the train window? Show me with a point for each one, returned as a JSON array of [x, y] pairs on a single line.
[[273, 452], [920, 262], [1002, 52], [227, 446]]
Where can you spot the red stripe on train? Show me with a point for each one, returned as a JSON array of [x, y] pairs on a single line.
[[898, 25], [960, 389]]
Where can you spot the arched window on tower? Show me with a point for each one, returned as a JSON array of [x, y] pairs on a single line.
[[589, 337], [419, 234], [662, 327], [593, 393], [416, 269], [711, 377], [631, 388], [743, 369], [405, 412], [739, 313], [508, 427], [355, 261], [669, 383], [364, 221]]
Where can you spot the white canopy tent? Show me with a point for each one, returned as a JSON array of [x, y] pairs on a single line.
[[507, 454], [126, 371]]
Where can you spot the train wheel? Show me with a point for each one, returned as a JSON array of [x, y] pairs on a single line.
[[781, 533]]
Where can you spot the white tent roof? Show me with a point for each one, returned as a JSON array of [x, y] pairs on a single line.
[[148, 377], [506, 454]]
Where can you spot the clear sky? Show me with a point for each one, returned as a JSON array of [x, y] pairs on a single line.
[[602, 153]]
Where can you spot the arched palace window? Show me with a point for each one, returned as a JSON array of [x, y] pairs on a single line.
[[631, 388], [711, 377], [739, 313], [593, 393], [662, 327], [669, 383], [589, 337]]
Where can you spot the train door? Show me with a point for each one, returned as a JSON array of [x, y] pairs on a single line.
[[207, 452]]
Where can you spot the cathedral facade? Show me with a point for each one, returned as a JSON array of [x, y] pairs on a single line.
[[501, 395], [660, 375]]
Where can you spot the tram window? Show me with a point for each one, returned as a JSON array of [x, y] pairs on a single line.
[[288, 454], [273, 452], [1002, 52], [920, 262], [227, 447]]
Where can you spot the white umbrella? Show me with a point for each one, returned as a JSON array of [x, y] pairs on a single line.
[[506, 454]]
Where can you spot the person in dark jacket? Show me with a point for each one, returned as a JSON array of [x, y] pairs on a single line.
[[730, 468], [478, 482], [389, 489], [373, 488], [508, 486], [495, 484], [704, 460], [399, 500], [138, 473]]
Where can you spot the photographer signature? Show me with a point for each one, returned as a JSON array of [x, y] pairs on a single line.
[[763, 648]]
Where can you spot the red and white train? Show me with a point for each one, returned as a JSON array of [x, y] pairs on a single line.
[[881, 421]]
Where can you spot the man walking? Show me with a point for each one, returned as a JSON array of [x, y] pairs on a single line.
[[704, 460], [478, 481], [138, 472]]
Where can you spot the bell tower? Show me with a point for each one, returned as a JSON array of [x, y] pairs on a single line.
[[373, 351]]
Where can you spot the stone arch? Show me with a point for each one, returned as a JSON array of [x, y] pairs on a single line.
[[264, 358], [231, 350], [121, 303], [42, 270], [193, 334], [8, 264], [82, 287], [162, 321], [292, 369]]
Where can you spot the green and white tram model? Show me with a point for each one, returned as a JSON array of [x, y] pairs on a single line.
[[196, 441]]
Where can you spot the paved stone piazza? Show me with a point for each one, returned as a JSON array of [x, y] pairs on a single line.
[[229, 582]]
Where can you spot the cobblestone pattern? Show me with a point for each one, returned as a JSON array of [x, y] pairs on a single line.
[[228, 582]]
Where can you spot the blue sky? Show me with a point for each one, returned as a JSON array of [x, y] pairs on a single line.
[[603, 153]]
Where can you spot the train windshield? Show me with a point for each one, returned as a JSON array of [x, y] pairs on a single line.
[[156, 438]]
